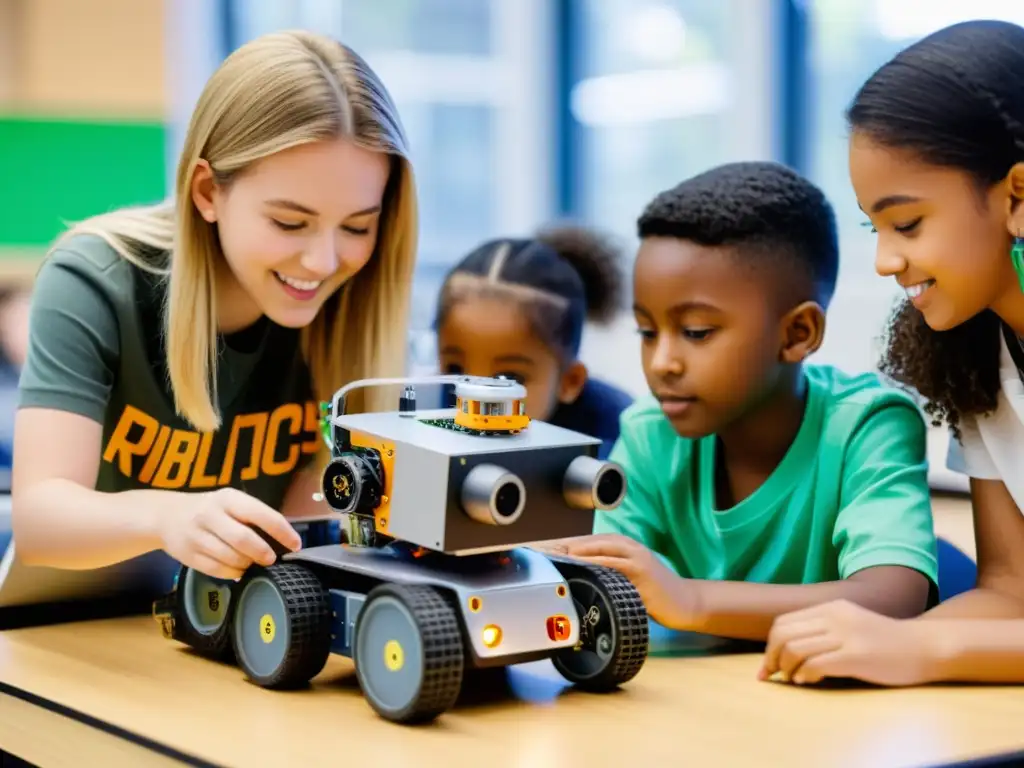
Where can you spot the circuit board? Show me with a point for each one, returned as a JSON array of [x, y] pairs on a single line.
[[325, 423], [450, 424]]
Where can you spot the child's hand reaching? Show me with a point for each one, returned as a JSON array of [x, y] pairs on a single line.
[[667, 596], [842, 639]]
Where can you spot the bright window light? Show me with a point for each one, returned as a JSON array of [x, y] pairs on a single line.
[[656, 33], [647, 96], [908, 19]]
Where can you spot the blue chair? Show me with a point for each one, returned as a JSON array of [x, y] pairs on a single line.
[[321, 533], [957, 572], [6, 465]]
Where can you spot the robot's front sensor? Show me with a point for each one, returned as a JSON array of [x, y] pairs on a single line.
[[593, 484], [492, 495]]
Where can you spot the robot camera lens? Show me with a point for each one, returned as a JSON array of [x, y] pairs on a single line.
[[610, 487], [507, 500], [593, 484], [492, 495], [352, 483]]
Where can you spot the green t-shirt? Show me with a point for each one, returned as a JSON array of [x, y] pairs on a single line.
[[851, 492], [96, 349]]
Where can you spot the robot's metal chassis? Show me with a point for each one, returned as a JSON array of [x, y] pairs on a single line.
[[518, 594], [515, 590]]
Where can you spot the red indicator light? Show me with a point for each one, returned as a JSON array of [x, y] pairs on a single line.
[[558, 628]]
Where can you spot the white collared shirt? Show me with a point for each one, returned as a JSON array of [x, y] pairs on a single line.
[[991, 447]]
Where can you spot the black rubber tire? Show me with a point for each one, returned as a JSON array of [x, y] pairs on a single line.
[[306, 617], [216, 644], [622, 616], [426, 616]]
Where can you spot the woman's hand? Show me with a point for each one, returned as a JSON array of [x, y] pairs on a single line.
[[843, 640], [219, 533]]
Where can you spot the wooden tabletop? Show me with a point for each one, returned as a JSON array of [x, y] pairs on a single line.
[[686, 705]]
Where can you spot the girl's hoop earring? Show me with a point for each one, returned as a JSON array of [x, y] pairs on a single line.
[[1017, 258]]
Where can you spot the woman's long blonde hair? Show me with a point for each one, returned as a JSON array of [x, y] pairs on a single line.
[[276, 92]]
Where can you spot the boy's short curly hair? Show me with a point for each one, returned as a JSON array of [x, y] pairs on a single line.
[[763, 208]]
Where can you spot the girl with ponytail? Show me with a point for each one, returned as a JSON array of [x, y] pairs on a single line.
[[517, 308]]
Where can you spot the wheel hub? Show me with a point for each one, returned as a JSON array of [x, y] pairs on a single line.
[[267, 628], [394, 657]]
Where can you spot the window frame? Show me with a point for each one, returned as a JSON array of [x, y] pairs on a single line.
[[768, 77]]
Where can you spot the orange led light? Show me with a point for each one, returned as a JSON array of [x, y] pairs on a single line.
[[491, 635]]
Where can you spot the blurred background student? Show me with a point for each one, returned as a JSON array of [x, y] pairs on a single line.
[[517, 308]]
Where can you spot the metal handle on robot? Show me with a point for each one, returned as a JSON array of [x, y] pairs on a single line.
[[338, 401]]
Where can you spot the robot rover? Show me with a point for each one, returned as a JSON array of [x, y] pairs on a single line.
[[434, 578]]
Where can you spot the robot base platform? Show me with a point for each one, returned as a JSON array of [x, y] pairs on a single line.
[[413, 621]]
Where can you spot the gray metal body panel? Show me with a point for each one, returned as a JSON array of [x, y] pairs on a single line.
[[419, 494], [547, 514], [345, 606], [431, 463], [412, 431], [517, 597]]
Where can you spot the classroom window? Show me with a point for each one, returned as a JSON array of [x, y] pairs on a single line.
[[652, 102], [661, 90]]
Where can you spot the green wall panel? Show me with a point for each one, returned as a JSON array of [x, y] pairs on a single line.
[[55, 171]]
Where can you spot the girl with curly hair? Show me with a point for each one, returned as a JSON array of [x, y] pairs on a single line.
[[937, 161]]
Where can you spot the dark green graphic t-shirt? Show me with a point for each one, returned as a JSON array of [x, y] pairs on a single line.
[[97, 350]]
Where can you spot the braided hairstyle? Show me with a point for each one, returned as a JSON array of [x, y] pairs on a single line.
[[956, 100], [561, 278]]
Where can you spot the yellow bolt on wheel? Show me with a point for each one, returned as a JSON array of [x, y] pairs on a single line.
[[394, 657], [267, 628]]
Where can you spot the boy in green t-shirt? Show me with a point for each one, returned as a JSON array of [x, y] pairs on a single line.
[[758, 485]]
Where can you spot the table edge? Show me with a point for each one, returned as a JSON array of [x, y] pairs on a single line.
[[109, 728], [1015, 757]]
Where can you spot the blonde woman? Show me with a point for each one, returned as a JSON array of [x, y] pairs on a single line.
[[178, 352]]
